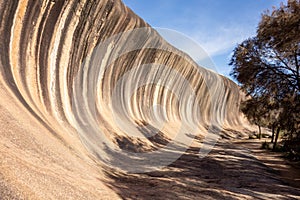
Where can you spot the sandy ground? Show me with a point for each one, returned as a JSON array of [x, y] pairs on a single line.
[[289, 171], [233, 170]]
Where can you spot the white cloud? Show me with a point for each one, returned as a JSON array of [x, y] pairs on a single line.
[[202, 45], [188, 45], [220, 40]]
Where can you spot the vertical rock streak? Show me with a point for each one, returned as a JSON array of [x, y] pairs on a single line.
[[51, 60]]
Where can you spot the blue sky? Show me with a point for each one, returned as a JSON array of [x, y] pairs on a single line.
[[217, 25]]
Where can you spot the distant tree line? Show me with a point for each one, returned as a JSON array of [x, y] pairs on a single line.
[[267, 68]]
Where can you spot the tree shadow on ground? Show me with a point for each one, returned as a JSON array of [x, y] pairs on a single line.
[[288, 170], [228, 172]]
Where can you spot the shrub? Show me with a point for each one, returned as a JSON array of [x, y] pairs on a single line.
[[265, 145]]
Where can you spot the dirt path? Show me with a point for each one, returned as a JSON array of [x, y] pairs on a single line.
[[288, 171], [233, 170]]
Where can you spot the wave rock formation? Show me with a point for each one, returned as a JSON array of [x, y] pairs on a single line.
[[88, 85]]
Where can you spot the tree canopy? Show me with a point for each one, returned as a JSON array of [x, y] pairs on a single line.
[[267, 66]]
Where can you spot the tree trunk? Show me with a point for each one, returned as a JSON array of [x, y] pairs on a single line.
[[259, 132], [273, 133], [276, 138]]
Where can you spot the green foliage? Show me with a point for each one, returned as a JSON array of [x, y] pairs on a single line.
[[254, 110], [280, 29], [292, 148], [267, 68], [265, 145], [279, 148]]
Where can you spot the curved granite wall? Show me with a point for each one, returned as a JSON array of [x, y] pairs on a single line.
[[94, 70]]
